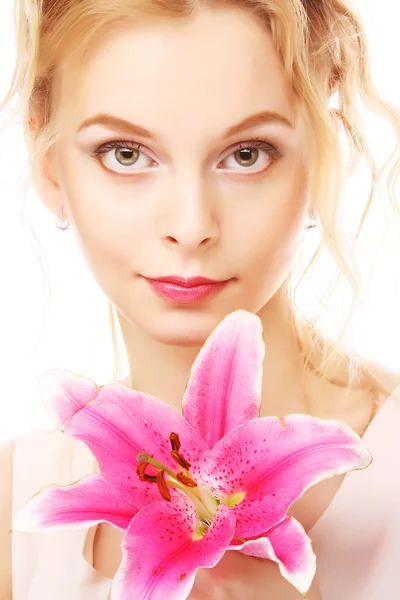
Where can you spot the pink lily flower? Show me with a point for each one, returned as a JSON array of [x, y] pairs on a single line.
[[186, 488]]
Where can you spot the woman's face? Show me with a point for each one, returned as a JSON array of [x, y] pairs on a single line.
[[189, 201]]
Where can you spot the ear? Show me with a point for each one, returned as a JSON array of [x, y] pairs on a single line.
[[44, 176]]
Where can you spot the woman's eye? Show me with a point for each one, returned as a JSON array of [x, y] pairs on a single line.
[[253, 153], [126, 154], [122, 153]]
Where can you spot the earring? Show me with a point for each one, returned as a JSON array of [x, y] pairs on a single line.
[[311, 223], [62, 224]]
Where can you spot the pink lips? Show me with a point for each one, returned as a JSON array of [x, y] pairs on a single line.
[[188, 290]]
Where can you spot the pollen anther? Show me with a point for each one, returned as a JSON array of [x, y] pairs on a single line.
[[175, 441], [182, 462], [162, 486], [186, 480], [143, 476]]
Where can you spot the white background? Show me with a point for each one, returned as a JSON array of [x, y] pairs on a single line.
[[77, 337]]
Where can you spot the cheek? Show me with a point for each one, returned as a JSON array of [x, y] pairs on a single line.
[[99, 207], [109, 244], [109, 228], [272, 233], [266, 246]]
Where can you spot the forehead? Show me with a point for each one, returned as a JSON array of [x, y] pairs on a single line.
[[214, 68]]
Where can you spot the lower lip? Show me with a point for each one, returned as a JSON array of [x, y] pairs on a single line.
[[182, 295]]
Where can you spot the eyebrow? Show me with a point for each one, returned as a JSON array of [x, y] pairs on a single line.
[[118, 124]]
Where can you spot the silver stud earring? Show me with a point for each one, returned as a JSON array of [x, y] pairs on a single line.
[[312, 222], [61, 223]]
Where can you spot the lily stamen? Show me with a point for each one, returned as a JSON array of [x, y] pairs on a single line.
[[186, 480], [204, 501], [143, 476], [175, 441], [162, 486], [145, 459], [176, 444], [182, 462]]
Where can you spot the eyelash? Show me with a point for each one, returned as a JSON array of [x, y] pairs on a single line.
[[262, 143]]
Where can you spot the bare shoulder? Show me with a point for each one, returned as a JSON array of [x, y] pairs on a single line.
[[6, 469], [387, 376], [338, 367]]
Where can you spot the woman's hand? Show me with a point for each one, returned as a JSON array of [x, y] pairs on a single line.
[[241, 577]]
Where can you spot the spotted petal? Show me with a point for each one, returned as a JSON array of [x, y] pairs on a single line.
[[287, 544], [116, 423], [224, 387], [274, 461], [76, 506], [159, 556]]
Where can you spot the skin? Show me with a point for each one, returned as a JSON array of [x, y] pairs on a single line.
[[191, 207], [188, 206]]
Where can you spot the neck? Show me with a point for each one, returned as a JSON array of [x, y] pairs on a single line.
[[162, 369]]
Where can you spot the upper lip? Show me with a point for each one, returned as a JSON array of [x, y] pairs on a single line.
[[185, 282]]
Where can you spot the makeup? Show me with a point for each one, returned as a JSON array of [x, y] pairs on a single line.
[[184, 294]]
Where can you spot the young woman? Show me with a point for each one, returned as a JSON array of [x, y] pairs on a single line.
[[195, 140]]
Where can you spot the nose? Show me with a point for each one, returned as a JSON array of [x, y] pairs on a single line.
[[192, 219]]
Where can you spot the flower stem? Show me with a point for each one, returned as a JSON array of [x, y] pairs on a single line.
[[161, 467]]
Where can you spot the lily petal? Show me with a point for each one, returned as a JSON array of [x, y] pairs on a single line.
[[159, 557], [287, 544], [76, 506], [275, 461], [64, 393], [117, 423], [224, 387]]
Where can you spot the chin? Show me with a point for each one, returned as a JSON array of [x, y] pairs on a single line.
[[184, 327]]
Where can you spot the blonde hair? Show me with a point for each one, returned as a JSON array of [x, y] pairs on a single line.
[[324, 51]]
